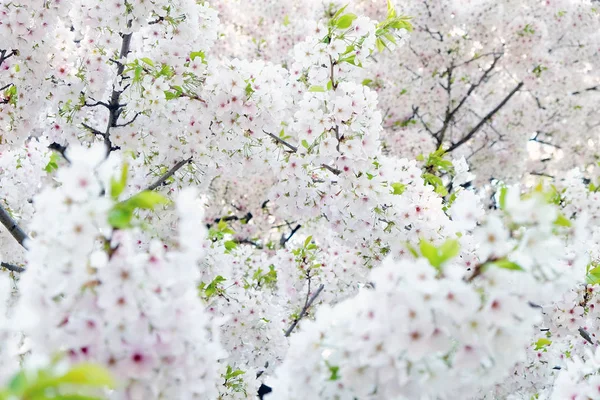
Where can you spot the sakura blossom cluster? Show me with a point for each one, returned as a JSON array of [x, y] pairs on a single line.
[[134, 310], [208, 197]]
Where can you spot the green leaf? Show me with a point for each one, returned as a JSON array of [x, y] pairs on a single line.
[[286, 20], [438, 256], [561, 220], [339, 12], [88, 374], [307, 241], [195, 54], [305, 144], [449, 249], [117, 186], [18, 383], [316, 89], [334, 372], [593, 276], [345, 21], [147, 61], [147, 200], [249, 90], [507, 264], [391, 11], [398, 188], [52, 164], [120, 217], [137, 75], [380, 45], [171, 95], [212, 287], [502, 198], [541, 343], [230, 245], [430, 252], [233, 374]]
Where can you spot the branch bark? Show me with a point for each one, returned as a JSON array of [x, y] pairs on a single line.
[[284, 240], [113, 105], [12, 267], [160, 181], [283, 142], [485, 119], [13, 228], [305, 309]]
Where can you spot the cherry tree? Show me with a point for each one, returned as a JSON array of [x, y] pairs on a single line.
[[211, 200]]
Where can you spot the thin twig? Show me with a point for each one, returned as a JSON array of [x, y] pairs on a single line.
[[129, 122], [331, 169], [485, 119], [13, 228], [304, 309], [160, 181], [284, 240], [593, 88], [283, 142], [93, 130], [584, 334], [12, 267], [59, 148]]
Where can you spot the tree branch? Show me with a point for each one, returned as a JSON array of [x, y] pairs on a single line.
[[473, 131], [593, 88], [584, 334], [13, 228], [305, 308], [283, 142], [12, 267], [450, 114], [160, 181], [129, 122], [93, 130], [284, 240], [331, 169], [59, 148], [113, 105]]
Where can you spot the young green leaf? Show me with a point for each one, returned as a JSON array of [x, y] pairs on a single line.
[[345, 21], [398, 188]]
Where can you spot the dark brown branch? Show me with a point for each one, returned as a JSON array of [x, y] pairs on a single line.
[[97, 103], [450, 114], [331, 169], [160, 181], [4, 56], [541, 174], [485, 119], [535, 139], [59, 148], [13, 228], [12, 267], [584, 334], [113, 105], [416, 112], [590, 89], [129, 122], [93, 130], [283, 142], [248, 241], [156, 21], [284, 240], [305, 309]]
